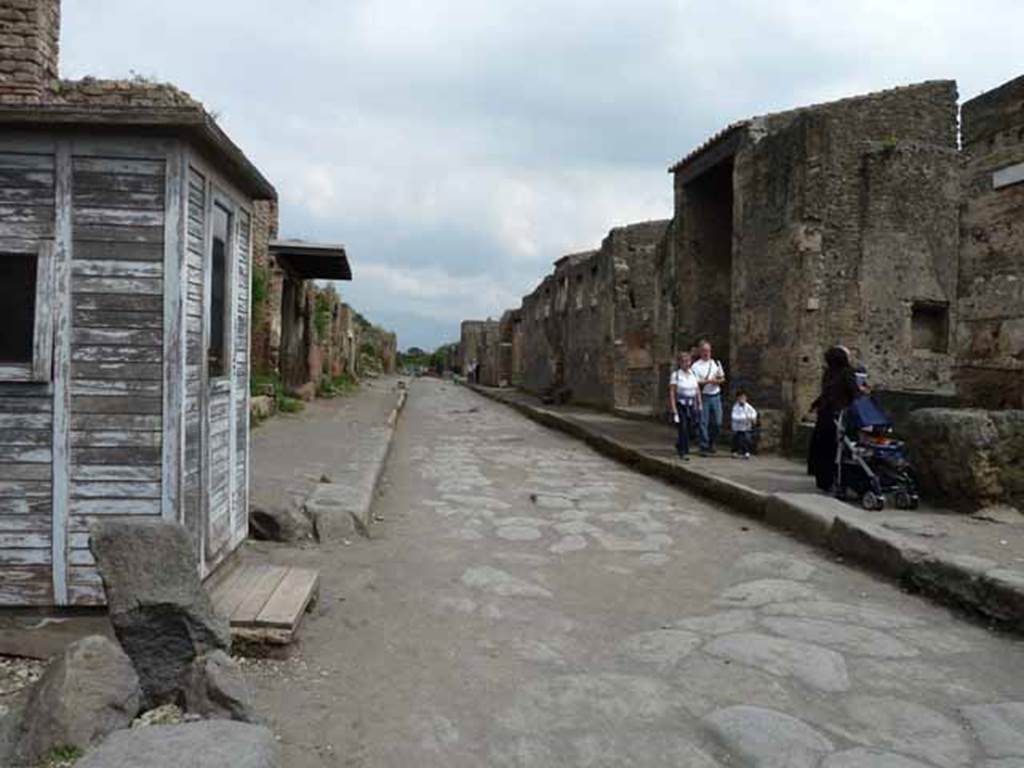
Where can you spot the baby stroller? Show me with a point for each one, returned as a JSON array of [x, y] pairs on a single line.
[[870, 461]]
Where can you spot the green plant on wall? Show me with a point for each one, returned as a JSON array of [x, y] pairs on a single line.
[[322, 316], [258, 292]]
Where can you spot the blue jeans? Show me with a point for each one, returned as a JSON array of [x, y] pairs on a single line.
[[686, 410], [710, 421]]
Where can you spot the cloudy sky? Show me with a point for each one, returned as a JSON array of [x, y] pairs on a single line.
[[458, 147]]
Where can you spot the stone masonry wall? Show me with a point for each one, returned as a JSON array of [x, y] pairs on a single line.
[[990, 330], [588, 329], [472, 345], [510, 362], [908, 265], [29, 48], [542, 347], [629, 253], [840, 227], [268, 280]]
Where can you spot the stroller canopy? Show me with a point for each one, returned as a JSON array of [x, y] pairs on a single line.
[[864, 413]]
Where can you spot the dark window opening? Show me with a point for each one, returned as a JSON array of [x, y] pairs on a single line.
[[218, 291], [929, 326], [17, 306]]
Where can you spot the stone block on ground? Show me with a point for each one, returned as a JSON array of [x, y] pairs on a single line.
[[205, 744], [217, 689], [262, 407], [87, 692], [767, 739], [279, 523], [158, 607], [968, 458], [307, 392]]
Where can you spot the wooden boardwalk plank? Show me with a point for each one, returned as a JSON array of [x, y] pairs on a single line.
[[263, 585], [228, 595], [286, 605]]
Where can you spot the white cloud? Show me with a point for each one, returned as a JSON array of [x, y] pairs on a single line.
[[458, 147]]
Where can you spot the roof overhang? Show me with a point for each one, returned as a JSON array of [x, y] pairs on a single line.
[[719, 147], [308, 261], [191, 123]]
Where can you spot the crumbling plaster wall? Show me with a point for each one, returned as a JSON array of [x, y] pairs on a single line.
[[990, 332]]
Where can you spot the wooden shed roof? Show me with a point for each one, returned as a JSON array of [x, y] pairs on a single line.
[[190, 122], [306, 260]]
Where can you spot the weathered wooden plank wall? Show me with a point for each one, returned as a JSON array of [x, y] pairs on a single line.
[[117, 349], [194, 354], [27, 184], [240, 409]]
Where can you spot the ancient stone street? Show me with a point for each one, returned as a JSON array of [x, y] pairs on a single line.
[[523, 601]]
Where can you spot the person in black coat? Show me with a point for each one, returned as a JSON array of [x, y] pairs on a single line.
[[838, 390]]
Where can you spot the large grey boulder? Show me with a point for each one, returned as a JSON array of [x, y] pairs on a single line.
[[968, 458], [86, 693], [217, 689], [279, 522], [205, 744], [158, 607]]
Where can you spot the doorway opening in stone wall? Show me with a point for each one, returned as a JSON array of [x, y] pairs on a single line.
[[708, 228]]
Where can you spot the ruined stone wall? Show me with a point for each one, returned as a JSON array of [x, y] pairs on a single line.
[[841, 228], [665, 294], [583, 305], [267, 284], [990, 322], [629, 254], [588, 330], [908, 265], [299, 355], [478, 343], [29, 49], [510, 362], [542, 348]]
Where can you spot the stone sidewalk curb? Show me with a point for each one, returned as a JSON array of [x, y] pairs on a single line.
[[339, 510], [973, 584]]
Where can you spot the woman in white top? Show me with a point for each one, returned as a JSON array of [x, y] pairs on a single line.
[[684, 400]]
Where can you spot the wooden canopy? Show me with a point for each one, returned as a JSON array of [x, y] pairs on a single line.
[[305, 260]]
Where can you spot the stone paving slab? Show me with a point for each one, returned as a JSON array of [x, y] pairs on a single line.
[[974, 562]]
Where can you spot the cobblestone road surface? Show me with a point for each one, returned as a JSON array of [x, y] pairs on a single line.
[[526, 602]]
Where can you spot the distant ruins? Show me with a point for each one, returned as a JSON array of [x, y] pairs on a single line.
[[304, 333], [858, 222]]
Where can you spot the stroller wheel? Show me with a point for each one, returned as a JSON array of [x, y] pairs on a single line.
[[872, 501], [905, 500]]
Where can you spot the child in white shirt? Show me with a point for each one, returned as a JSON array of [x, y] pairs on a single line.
[[744, 419]]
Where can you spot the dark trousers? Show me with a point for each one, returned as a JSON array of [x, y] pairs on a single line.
[[742, 442], [687, 421]]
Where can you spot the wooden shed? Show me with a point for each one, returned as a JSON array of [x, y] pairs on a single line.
[[125, 249]]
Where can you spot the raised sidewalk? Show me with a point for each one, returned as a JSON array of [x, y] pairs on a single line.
[[329, 458], [973, 562]]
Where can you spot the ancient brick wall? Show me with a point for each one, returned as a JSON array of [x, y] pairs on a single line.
[[29, 48], [990, 328]]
